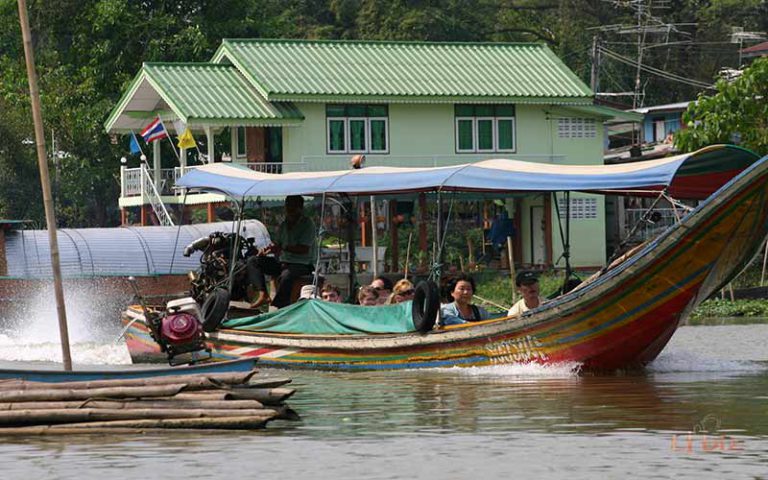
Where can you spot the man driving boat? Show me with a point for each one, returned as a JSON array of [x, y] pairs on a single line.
[[293, 251]]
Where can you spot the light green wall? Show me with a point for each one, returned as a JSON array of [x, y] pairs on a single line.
[[419, 132]]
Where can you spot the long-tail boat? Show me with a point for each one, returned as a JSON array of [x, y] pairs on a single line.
[[622, 318]]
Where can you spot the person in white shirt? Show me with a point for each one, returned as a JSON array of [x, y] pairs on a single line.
[[527, 283]]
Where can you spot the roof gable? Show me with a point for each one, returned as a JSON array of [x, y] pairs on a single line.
[[323, 70], [198, 94]]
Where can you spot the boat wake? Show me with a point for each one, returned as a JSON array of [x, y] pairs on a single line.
[[522, 370], [31, 332]]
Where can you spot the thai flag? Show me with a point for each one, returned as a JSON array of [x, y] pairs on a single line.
[[154, 131]]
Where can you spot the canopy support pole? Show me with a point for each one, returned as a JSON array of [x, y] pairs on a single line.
[[646, 215], [351, 224], [374, 238], [320, 233], [565, 234], [236, 246]]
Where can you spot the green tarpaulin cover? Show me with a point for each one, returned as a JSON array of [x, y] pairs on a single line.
[[319, 317]]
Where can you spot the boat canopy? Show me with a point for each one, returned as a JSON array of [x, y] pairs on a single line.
[[688, 176]]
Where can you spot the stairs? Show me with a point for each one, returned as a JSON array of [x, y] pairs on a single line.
[[149, 192]]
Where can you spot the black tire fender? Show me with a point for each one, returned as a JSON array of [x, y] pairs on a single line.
[[426, 302], [215, 309]]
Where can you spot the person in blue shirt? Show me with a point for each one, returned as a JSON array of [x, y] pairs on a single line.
[[462, 310]]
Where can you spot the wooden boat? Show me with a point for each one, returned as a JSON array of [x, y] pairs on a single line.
[[244, 364], [621, 319]]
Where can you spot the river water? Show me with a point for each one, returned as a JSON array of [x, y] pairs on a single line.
[[699, 411]]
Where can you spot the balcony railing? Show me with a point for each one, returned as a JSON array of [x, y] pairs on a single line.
[[655, 223]]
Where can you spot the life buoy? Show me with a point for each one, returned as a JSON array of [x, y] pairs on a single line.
[[426, 302], [215, 309]]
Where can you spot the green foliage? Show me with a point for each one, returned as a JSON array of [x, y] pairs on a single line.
[[739, 109], [719, 308]]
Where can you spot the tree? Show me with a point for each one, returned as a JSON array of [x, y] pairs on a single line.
[[738, 113]]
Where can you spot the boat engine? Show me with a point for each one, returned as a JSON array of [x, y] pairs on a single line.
[[179, 332]]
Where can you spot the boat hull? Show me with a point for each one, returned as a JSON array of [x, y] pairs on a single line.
[[623, 319]]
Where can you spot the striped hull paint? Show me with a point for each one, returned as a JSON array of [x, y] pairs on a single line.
[[623, 319]]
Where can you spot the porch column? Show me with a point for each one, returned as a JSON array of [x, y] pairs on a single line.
[[209, 139], [394, 232], [157, 165], [123, 216], [423, 223], [233, 143], [183, 160], [211, 211]]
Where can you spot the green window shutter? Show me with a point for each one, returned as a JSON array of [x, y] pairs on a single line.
[[335, 111], [357, 110], [483, 110], [357, 135], [505, 110], [378, 111], [336, 140], [378, 135], [484, 134], [464, 110], [465, 135], [506, 133]]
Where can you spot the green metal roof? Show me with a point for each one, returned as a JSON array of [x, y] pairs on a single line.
[[405, 71], [198, 94]]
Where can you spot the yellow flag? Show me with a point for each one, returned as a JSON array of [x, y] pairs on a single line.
[[186, 140]]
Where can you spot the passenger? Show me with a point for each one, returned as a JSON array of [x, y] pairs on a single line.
[[331, 293], [294, 244], [367, 296], [461, 310], [384, 286], [402, 292], [527, 283]]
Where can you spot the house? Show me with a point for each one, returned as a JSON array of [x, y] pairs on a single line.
[[300, 105], [758, 50], [661, 121]]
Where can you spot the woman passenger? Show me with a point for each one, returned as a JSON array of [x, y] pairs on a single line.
[[401, 292], [461, 310], [368, 296]]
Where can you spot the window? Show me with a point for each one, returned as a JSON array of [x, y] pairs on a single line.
[[241, 142], [357, 128], [576, 128], [581, 208], [485, 128]]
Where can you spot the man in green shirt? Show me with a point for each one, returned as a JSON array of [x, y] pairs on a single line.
[[294, 245]]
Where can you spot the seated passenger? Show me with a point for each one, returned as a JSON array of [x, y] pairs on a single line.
[[384, 286], [461, 310], [367, 296], [402, 292], [527, 284], [331, 293], [294, 245]]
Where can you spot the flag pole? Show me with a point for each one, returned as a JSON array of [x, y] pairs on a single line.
[[50, 214]]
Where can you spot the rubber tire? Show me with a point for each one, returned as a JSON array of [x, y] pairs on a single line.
[[426, 303], [215, 309]]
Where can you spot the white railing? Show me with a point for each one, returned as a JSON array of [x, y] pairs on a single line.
[[656, 222], [149, 190]]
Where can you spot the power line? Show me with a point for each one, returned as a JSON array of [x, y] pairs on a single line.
[[655, 71]]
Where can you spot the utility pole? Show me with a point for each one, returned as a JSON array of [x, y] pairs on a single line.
[[595, 77]]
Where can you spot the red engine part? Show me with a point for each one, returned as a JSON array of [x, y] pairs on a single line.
[[181, 328]]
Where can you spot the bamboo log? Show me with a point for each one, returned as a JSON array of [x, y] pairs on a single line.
[[138, 426], [159, 404], [267, 382], [82, 394], [48, 417], [192, 382], [267, 396]]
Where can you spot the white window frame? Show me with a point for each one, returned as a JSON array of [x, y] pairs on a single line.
[[370, 136], [474, 134], [496, 133], [366, 135], [328, 134], [477, 134]]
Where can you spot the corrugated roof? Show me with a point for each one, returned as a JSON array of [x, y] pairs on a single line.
[[198, 94], [608, 112], [307, 70], [94, 252], [209, 90]]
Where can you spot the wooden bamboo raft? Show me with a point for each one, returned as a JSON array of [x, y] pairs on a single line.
[[223, 401]]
